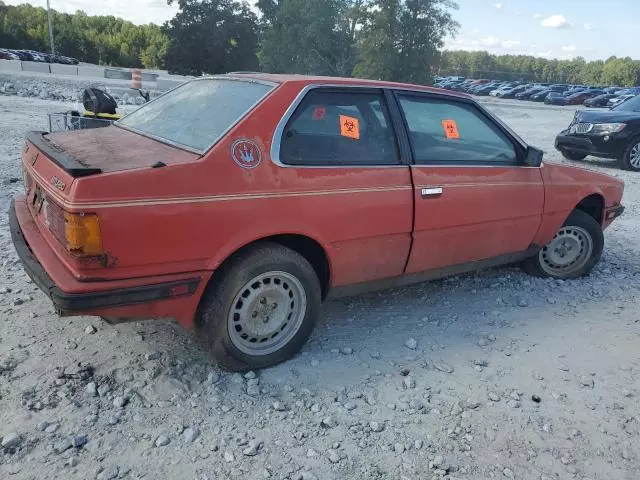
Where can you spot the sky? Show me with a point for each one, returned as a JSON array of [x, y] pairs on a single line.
[[593, 29]]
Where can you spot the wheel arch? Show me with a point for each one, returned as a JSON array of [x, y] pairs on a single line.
[[592, 205], [305, 245]]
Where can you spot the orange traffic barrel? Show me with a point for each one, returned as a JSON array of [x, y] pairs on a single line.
[[136, 78]]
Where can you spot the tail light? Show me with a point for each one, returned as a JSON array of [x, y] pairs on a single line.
[[79, 233]]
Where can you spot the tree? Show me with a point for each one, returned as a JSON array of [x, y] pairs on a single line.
[[212, 36], [401, 39], [105, 40], [309, 36]]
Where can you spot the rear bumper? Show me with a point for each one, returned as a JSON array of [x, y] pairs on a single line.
[[97, 301]]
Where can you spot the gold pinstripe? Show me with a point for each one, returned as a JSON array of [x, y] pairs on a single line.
[[206, 198]]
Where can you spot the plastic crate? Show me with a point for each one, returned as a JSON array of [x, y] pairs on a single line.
[[61, 122]]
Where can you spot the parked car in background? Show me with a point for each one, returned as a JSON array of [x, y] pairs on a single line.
[[599, 101], [526, 94], [33, 56], [577, 98], [8, 55], [512, 92], [542, 95], [611, 133], [503, 88], [113, 234], [620, 99]]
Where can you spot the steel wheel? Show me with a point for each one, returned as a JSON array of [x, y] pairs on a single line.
[[634, 156], [266, 313], [568, 252]]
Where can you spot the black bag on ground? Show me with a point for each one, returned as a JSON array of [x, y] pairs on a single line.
[[98, 101]]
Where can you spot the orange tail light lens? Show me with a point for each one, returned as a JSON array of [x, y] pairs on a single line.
[[79, 233], [82, 234]]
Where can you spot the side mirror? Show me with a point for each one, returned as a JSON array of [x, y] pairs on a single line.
[[533, 157]]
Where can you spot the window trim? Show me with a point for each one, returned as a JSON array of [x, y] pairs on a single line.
[[274, 86], [519, 145], [397, 129]]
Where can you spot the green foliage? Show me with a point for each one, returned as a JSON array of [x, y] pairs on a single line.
[[613, 71], [212, 36], [401, 40], [308, 36], [105, 40]]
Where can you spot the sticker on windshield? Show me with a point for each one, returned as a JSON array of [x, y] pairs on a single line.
[[349, 127], [246, 153], [451, 129], [319, 113]]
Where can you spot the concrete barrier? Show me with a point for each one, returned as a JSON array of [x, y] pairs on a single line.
[[166, 84], [117, 73], [96, 72], [10, 65], [36, 67], [149, 77], [60, 69]]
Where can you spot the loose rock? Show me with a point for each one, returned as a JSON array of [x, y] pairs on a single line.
[[411, 344], [190, 434], [11, 440]]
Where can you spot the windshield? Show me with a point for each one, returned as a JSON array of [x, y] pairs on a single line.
[[630, 105], [197, 114]]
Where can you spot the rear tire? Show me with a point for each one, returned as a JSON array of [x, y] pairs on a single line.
[[574, 156], [260, 308], [574, 251], [630, 159]]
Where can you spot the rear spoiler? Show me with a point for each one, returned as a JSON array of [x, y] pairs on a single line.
[[72, 166]]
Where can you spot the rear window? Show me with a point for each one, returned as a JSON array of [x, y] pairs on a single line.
[[197, 114]]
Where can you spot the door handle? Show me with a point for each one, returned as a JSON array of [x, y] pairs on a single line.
[[431, 192]]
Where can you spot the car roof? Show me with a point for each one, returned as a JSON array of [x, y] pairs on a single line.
[[306, 80]]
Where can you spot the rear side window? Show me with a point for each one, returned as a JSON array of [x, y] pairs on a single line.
[[450, 132], [339, 128], [198, 113]]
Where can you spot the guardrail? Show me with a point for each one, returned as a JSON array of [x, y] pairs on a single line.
[[92, 71]]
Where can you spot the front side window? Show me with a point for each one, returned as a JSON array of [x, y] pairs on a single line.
[[197, 113], [450, 132], [342, 128]]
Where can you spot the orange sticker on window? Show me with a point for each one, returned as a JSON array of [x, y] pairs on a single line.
[[451, 129], [319, 113], [349, 127]]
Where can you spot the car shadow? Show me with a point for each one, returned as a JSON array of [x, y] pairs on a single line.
[[452, 320]]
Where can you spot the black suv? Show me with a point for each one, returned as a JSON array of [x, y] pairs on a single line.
[[611, 133]]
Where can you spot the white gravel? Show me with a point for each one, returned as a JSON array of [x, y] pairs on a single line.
[[486, 376]]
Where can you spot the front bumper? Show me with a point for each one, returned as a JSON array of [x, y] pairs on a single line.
[[592, 144], [71, 303], [612, 213]]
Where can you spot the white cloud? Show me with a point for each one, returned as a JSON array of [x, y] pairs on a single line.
[[509, 44], [555, 21], [490, 41], [569, 48], [537, 15], [499, 6], [588, 26]]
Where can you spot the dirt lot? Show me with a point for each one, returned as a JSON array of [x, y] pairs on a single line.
[[488, 376]]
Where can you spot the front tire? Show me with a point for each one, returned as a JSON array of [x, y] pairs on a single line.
[[260, 308], [574, 156], [630, 159], [574, 251]]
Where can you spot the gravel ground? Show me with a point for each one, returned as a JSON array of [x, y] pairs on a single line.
[[486, 376]]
